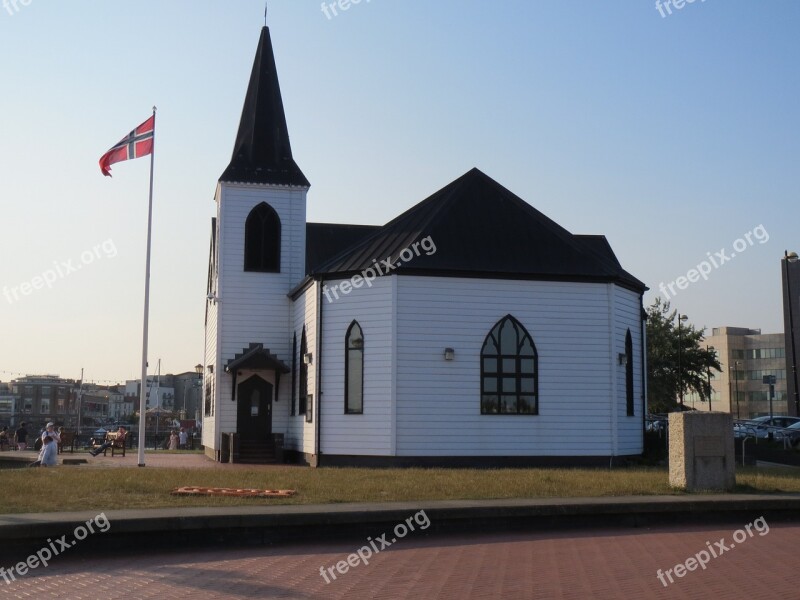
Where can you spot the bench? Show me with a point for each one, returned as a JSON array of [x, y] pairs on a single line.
[[117, 444], [67, 440]]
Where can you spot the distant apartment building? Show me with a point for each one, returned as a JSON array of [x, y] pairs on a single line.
[[43, 398], [160, 392], [94, 406], [746, 356], [119, 405], [189, 393], [8, 403]]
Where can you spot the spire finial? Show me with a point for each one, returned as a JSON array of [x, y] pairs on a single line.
[[265, 13]]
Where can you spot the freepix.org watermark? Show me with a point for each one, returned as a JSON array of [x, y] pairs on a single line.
[[60, 270], [331, 9], [365, 553], [665, 7], [13, 6], [715, 550], [379, 269], [54, 548], [715, 261]]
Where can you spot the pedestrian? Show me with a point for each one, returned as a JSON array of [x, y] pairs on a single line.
[[4, 441], [183, 438], [173, 440], [48, 455], [22, 437], [50, 431]]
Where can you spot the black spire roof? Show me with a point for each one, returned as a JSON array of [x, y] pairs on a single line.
[[482, 229], [262, 153]]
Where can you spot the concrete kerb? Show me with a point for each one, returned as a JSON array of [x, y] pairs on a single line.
[[265, 525]]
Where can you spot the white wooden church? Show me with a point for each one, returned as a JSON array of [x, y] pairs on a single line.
[[469, 330]]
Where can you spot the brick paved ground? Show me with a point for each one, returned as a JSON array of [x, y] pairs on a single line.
[[561, 565]]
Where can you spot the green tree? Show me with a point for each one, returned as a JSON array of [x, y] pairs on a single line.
[[667, 348]]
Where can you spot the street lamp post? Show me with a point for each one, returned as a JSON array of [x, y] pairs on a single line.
[[195, 385], [730, 393], [680, 353], [792, 257], [708, 373], [769, 380], [183, 411]]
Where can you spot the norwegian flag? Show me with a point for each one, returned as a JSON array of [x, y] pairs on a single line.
[[136, 144]]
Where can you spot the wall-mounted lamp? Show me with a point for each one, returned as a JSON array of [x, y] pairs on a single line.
[[307, 358], [210, 368], [623, 359], [449, 353], [212, 298]]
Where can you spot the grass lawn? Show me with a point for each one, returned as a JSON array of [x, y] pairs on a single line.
[[75, 489]]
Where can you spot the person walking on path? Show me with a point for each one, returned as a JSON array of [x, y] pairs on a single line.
[[51, 432], [48, 455], [22, 437], [183, 438]]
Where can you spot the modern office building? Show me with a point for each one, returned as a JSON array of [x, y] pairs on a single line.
[[746, 356]]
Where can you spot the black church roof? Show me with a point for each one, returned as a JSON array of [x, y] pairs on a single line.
[[479, 228], [262, 152], [325, 240]]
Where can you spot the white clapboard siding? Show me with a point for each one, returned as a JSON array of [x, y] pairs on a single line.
[[299, 435], [254, 307], [209, 422], [438, 401], [369, 433], [628, 306]]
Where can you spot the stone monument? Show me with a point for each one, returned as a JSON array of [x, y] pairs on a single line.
[[701, 454]]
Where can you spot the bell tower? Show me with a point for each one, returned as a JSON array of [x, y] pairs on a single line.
[[257, 253]]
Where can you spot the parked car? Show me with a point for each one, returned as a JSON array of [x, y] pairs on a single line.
[[764, 427], [657, 425], [792, 433], [742, 429]]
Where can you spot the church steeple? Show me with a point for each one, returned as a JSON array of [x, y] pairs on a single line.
[[262, 153]]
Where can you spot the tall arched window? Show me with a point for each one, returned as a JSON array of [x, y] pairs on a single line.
[[294, 374], [302, 393], [354, 370], [509, 371], [629, 373], [262, 240]]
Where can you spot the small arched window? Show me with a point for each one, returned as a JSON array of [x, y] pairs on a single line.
[[629, 373], [354, 370], [509, 370], [262, 240]]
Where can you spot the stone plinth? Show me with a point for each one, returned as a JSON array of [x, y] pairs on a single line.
[[701, 454]]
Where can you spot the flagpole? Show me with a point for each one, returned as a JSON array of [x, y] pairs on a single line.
[[143, 395]]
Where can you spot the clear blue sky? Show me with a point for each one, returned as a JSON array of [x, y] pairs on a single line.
[[673, 136]]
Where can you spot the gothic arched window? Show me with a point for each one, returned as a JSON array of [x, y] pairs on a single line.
[[354, 370], [509, 370]]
